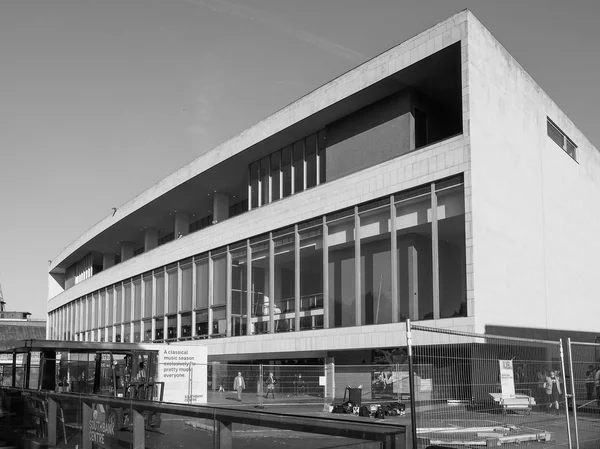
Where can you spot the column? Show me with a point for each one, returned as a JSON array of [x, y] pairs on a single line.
[[220, 207], [126, 251], [108, 260], [150, 239], [182, 224]]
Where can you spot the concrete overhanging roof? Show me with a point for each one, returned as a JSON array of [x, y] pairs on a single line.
[[214, 170]]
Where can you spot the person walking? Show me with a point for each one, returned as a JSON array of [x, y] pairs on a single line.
[[589, 382], [597, 384], [270, 386], [553, 391], [239, 385]]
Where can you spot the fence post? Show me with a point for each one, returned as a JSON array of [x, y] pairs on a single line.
[[411, 383], [573, 395], [562, 362], [260, 386]]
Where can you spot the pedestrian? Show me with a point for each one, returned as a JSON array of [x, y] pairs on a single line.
[[597, 383], [239, 385], [553, 391], [589, 382], [270, 386]]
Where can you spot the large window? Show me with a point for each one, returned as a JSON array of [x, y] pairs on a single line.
[[201, 284], [260, 286], [451, 244], [126, 302], [375, 263], [290, 170], [384, 261], [137, 299], [239, 282], [415, 268], [186, 288], [311, 275], [285, 273], [219, 280], [342, 273], [172, 290], [147, 296]]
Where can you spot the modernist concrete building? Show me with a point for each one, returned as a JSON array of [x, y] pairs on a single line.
[[436, 182]]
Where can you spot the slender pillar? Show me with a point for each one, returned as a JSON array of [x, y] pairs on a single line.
[[228, 292], [325, 275], [150, 239], [249, 289], [271, 284], [434, 255], [357, 270], [182, 224], [126, 251], [108, 260], [296, 279], [220, 207], [394, 262]]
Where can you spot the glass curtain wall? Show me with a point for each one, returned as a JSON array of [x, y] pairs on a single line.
[[127, 311], [415, 268], [147, 314], [451, 249], [375, 263], [239, 290], [186, 298], [201, 306], [159, 315], [172, 289], [260, 285], [284, 280], [342, 271], [219, 299], [311, 275], [110, 311], [278, 285]]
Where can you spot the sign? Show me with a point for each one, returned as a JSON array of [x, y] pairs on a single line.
[[507, 380], [98, 428], [183, 370]]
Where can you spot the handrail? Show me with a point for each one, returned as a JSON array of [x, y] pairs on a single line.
[[393, 436]]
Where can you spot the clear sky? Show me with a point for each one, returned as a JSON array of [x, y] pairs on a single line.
[[99, 99]]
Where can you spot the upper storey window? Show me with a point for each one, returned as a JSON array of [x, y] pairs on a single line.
[[561, 139], [290, 170]]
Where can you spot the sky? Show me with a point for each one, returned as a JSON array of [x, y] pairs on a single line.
[[100, 99]]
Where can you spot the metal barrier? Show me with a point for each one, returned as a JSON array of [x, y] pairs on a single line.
[[584, 372], [71, 420], [475, 389]]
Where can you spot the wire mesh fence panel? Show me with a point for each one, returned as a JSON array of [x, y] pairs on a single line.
[[584, 365], [473, 389]]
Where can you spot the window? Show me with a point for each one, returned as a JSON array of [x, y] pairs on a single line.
[[561, 139]]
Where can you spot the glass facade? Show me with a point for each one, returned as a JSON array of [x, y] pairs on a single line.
[[290, 170], [398, 257]]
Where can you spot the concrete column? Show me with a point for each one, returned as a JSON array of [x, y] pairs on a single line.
[[150, 239], [108, 260], [220, 207], [182, 224], [126, 251]]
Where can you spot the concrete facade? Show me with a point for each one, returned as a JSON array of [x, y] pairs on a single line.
[[529, 229]]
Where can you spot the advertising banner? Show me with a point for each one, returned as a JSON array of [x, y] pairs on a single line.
[[183, 370]]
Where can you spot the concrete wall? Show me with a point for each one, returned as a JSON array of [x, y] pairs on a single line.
[[374, 134], [535, 210]]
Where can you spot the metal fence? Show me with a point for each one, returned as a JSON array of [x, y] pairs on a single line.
[[485, 390], [584, 373]]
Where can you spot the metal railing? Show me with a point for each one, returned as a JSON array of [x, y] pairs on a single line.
[[79, 421]]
